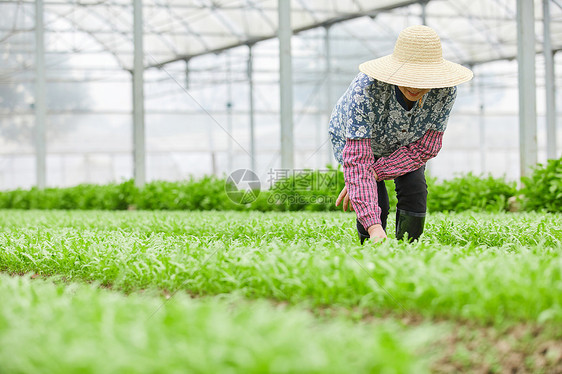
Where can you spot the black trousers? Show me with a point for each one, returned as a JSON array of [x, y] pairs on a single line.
[[411, 192]]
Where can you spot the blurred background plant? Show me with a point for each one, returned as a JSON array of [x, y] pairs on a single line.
[[543, 189], [309, 190]]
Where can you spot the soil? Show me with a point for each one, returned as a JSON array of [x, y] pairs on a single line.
[[521, 348]]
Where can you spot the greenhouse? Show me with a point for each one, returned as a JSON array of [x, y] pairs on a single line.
[[185, 186], [208, 79]]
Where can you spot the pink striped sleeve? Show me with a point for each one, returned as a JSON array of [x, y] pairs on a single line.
[[409, 157], [358, 161]]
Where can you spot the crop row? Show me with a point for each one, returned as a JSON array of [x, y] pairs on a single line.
[[473, 230], [311, 191], [490, 268], [45, 327]]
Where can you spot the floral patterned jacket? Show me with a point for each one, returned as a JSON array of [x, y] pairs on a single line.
[[369, 109]]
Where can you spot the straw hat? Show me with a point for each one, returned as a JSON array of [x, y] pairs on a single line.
[[417, 62]]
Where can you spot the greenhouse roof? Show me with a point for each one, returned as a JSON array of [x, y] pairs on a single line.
[[473, 31]]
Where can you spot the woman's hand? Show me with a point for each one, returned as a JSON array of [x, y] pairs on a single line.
[[344, 196], [377, 233]]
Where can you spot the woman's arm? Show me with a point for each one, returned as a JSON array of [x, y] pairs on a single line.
[[360, 181], [409, 157]]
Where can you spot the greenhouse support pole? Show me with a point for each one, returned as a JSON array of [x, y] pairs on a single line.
[[527, 85], [286, 84], [138, 97], [187, 73], [482, 125], [40, 99], [423, 13], [423, 19], [320, 134], [252, 108], [549, 80], [229, 130], [329, 88]]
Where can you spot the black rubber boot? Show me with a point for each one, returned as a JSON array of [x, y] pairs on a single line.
[[364, 234], [409, 222]]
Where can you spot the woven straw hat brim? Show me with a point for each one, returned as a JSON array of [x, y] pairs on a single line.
[[416, 75]]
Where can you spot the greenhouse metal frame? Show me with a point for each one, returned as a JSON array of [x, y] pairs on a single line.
[[151, 35]]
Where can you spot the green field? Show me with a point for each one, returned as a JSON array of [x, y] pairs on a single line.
[[277, 292]]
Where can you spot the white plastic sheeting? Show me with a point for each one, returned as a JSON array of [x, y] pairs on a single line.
[[89, 53], [477, 30]]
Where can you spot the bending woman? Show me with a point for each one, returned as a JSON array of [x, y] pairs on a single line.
[[388, 124]]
